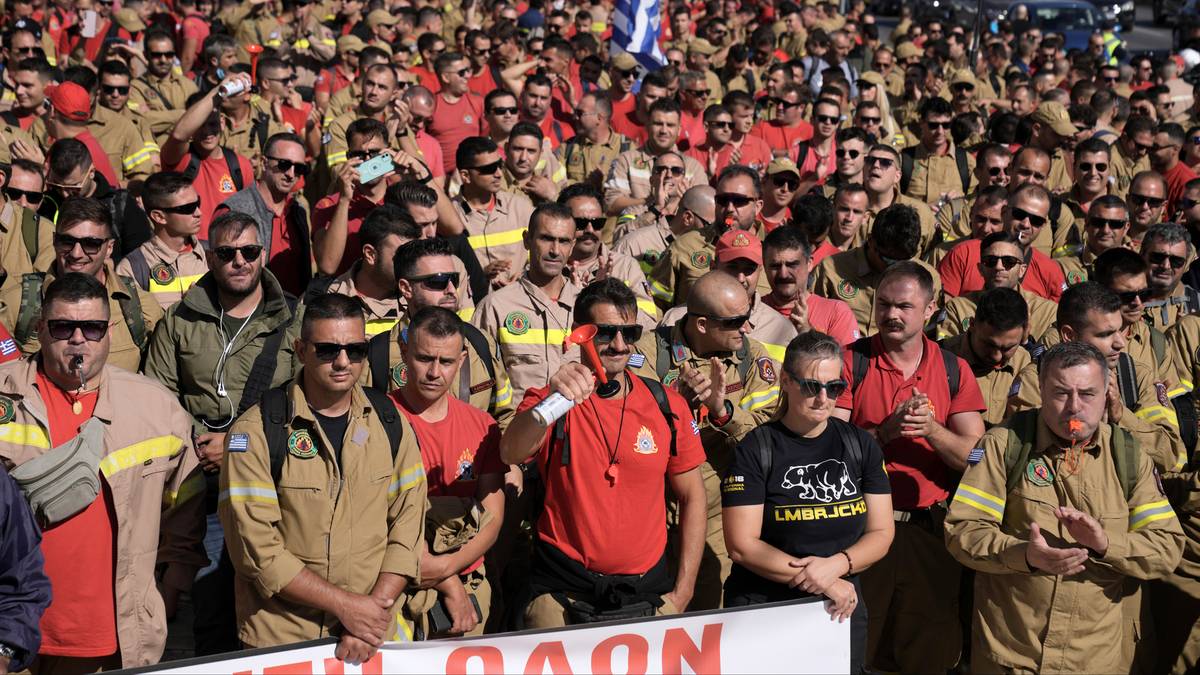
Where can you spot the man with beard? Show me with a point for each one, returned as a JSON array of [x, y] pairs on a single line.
[[218, 349], [939, 170], [501, 114], [589, 154], [1147, 201], [787, 128], [787, 259], [529, 167], [986, 216], [1106, 228], [1167, 247], [535, 102], [160, 95]]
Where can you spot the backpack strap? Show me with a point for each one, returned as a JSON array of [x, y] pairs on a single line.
[[851, 438], [1127, 381], [1055, 211], [10, 118], [139, 267], [1022, 431], [964, 170], [131, 308], [950, 361], [662, 340], [557, 130], [379, 353], [389, 416], [29, 232], [263, 369], [480, 344], [568, 151], [1158, 345], [801, 154], [908, 157], [276, 410], [625, 145], [860, 361], [664, 406], [31, 306], [235, 167], [1125, 458], [744, 363], [261, 125], [766, 452], [317, 288], [193, 167]]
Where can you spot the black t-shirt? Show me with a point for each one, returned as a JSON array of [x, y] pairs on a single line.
[[812, 500], [335, 431]]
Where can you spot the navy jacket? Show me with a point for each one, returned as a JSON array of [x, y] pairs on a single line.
[[24, 588]]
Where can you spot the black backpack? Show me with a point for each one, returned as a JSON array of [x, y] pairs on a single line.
[[379, 352], [850, 435], [860, 358], [31, 307], [231, 161]]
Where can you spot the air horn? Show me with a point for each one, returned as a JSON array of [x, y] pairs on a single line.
[[556, 405]]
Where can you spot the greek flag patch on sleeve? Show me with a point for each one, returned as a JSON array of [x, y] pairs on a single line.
[[975, 456], [7, 347], [238, 443], [637, 360]]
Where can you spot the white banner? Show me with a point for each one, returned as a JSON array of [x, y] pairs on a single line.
[[780, 638]]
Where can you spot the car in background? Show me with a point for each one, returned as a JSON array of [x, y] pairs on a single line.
[[1075, 20]]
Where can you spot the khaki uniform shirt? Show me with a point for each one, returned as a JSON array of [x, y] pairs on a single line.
[[1181, 486], [1162, 314], [588, 162], [14, 132], [347, 517], [688, 257], [848, 276], [131, 155], [646, 244], [1122, 169], [933, 175], [954, 218], [626, 269], [960, 311], [346, 98], [381, 314], [1059, 179], [924, 214], [530, 329], [497, 234], [151, 471], [629, 176], [999, 386], [770, 329], [160, 102], [171, 273], [15, 258], [241, 138], [1077, 269], [1039, 622]]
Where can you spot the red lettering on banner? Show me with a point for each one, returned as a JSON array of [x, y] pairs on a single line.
[[551, 653], [334, 667], [678, 647], [639, 654], [493, 660], [373, 666], [299, 668]]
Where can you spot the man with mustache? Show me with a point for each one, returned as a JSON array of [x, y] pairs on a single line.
[[1167, 248], [1091, 184], [787, 259]]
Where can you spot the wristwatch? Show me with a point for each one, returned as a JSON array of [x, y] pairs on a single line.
[[9, 652]]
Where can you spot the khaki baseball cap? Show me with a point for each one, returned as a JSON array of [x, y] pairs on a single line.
[[624, 61], [963, 76], [1054, 115], [782, 165], [701, 46], [349, 43], [872, 77], [129, 20], [381, 17], [907, 50]]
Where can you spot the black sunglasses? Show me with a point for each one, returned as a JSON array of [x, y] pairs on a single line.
[[997, 170], [606, 333], [114, 89], [1113, 224], [285, 165], [1035, 220], [883, 162], [181, 210], [963, 86], [675, 170], [785, 103], [862, 119], [64, 329], [161, 55], [1127, 297], [791, 183], [735, 200], [812, 388], [329, 351], [1176, 261], [1188, 203], [1006, 261], [842, 153], [1086, 167], [596, 224], [250, 252], [363, 154], [30, 196], [1143, 200], [728, 322], [827, 119], [937, 125], [488, 169], [504, 110], [437, 282], [90, 245], [720, 124]]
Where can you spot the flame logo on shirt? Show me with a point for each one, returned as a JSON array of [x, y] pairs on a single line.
[[644, 445]]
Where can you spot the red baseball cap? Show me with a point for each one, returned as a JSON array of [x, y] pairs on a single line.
[[736, 244], [70, 100]]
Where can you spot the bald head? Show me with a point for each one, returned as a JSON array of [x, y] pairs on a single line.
[[419, 95], [714, 293], [700, 200]]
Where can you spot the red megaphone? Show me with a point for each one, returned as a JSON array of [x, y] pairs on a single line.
[[254, 51], [585, 337]]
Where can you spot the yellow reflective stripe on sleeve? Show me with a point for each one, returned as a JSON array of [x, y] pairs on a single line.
[[626, 218], [1148, 513], [143, 155], [138, 453], [177, 285], [1180, 390], [335, 158], [775, 351], [407, 480], [502, 397], [973, 496], [1068, 250], [249, 491], [24, 434], [1152, 413], [661, 292], [377, 326], [151, 146], [191, 487], [479, 241], [466, 313], [302, 43], [1186, 385], [760, 399], [533, 336], [648, 307]]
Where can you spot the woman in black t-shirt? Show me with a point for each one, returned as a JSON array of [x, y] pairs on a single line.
[[807, 503]]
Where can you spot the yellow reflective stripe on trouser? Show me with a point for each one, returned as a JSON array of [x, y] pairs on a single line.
[[466, 313], [1148, 513], [1153, 413], [775, 351], [760, 399], [24, 434], [138, 453], [973, 496], [377, 326], [533, 336], [249, 491], [406, 480], [502, 396], [497, 239], [191, 487], [661, 292]]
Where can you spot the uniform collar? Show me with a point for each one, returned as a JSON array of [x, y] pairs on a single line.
[[160, 249], [22, 383], [1048, 443], [359, 405], [565, 299]]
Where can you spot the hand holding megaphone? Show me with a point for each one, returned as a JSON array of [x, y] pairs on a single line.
[[573, 383]]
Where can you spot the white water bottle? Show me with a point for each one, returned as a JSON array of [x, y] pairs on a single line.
[[551, 408]]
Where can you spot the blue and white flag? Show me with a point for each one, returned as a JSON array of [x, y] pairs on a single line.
[[636, 27]]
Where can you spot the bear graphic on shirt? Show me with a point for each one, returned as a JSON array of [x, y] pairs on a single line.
[[825, 481]]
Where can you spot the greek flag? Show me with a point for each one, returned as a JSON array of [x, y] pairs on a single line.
[[636, 27], [239, 442], [7, 347]]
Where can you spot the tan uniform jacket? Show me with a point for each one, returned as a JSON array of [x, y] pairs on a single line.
[[131, 155], [589, 162], [15, 257], [770, 329], [933, 175], [1122, 169], [999, 386], [688, 257], [346, 519], [157, 490], [646, 244], [960, 311], [848, 276], [245, 138], [1032, 621], [381, 315], [629, 176], [345, 99], [160, 103], [627, 270], [1183, 486], [529, 329], [168, 274], [497, 234], [1059, 179], [924, 214]]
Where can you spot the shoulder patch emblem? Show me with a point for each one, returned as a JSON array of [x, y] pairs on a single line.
[[846, 290], [1038, 472], [300, 444], [482, 386], [644, 445], [516, 323], [1160, 390], [702, 259], [1074, 277], [651, 256], [162, 273], [8, 410], [966, 322], [399, 375], [670, 377], [326, 138], [766, 369], [975, 456]]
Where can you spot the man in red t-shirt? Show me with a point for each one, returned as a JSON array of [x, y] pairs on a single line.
[[430, 46], [788, 128], [623, 73], [787, 258], [277, 87], [336, 218], [902, 392], [341, 74], [70, 110], [725, 144], [459, 113], [479, 51], [460, 448], [1164, 158], [605, 506], [632, 123], [536, 103]]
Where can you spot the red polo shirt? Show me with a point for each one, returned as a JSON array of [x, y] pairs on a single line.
[[960, 272], [627, 124], [919, 478], [360, 206], [753, 152], [614, 528], [555, 129], [482, 84], [452, 122], [691, 130], [779, 137], [214, 184], [426, 78]]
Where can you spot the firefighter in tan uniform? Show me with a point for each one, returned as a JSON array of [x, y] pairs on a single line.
[[730, 383], [1060, 514], [589, 154], [882, 174], [530, 319], [124, 145], [627, 189], [333, 559], [853, 276], [171, 261], [136, 439], [160, 95], [938, 166], [426, 271], [1052, 129], [18, 227]]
